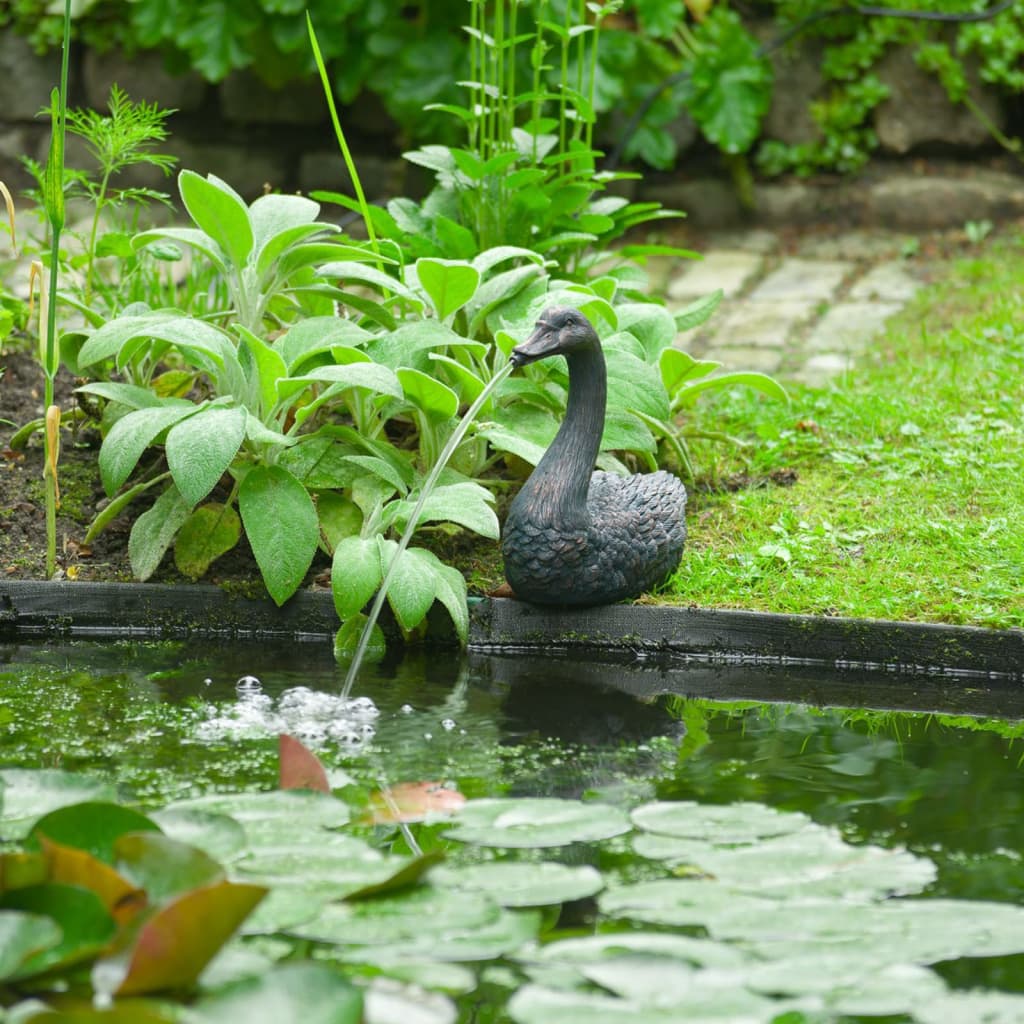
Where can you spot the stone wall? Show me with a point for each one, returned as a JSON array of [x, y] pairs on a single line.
[[257, 138]]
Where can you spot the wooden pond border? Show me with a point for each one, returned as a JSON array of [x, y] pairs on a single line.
[[81, 609]]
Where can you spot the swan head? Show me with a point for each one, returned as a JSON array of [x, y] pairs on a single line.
[[559, 331]]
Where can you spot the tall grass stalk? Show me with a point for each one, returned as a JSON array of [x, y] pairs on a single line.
[[339, 134]]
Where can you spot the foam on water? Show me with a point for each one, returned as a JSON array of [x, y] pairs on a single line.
[[314, 717]]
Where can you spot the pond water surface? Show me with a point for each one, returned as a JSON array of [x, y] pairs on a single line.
[[941, 776]]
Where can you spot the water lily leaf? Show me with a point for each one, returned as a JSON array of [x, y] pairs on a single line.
[[210, 531], [85, 925], [299, 767], [390, 1002], [174, 945], [281, 524], [220, 836], [972, 1008], [535, 823], [22, 936], [534, 1004], [28, 793], [512, 884], [200, 449], [68, 866], [126, 1011], [273, 818], [612, 945], [402, 876], [288, 906], [314, 993], [219, 211], [164, 867], [719, 824], [21, 869], [93, 827], [412, 801], [449, 283]]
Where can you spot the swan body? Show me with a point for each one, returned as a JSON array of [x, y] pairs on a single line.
[[578, 537]]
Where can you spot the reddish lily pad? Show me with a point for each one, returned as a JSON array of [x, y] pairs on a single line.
[[412, 801], [174, 945], [300, 767], [70, 866]]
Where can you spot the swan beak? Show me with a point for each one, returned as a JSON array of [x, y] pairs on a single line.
[[542, 343]]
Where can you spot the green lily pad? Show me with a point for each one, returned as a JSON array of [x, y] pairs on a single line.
[[164, 867], [535, 823], [219, 835], [313, 993], [513, 884], [972, 1008], [28, 793], [286, 907], [612, 945], [23, 935], [390, 1002], [720, 825], [93, 827]]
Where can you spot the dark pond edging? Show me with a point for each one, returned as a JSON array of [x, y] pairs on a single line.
[[36, 608]]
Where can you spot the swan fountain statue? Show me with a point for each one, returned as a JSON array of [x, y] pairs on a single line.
[[574, 536]]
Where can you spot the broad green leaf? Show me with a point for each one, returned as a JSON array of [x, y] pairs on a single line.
[[216, 834], [192, 237], [130, 395], [469, 384], [93, 827], [450, 586], [364, 274], [185, 332], [132, 434], [269, 365], [759, 381], [339, 517], [280, 522], [449, 283], [273, 215], [698, 311], [413, 586], [515, 884], [85, 925], [467, 504], [381, 468], [66, 865], [164, 867], [26, 794], [635, 385], [154, 531], [490, 258], [209, 532], [318, 335], [437, 400], [368, 376], [347, 639], [201, 448], [355, 574], [412, 343], [320, 461], [174, 945], [652, 325], [220, 212], [314, 993], [22, 936], [535, 823], [677, 367]]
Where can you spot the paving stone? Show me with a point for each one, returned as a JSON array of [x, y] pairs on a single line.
[[888, 281], [760, 324], [853, 245], [807, 281], [728, 269], [764, 360], [823, 367], [748, 239], [848, 326]]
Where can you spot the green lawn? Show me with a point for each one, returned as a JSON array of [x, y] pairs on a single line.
[[909, 492]]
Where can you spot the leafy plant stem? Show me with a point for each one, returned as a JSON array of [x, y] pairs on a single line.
[[428, 486]]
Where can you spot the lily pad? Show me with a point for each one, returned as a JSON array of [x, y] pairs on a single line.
[[614, 945], [23, 935], [535, 823], [219, 835], [718, 824], [92, 826], [28, 793], [390, 1002], [513, 884], [164, 867]]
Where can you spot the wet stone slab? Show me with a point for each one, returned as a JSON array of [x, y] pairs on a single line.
[[849, 326], [760, 324], [728, 269], [889, 281], [806, 281]]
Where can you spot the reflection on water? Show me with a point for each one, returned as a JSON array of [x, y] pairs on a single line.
[[942, 778]]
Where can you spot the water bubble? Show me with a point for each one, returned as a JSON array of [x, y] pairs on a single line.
[[248, 684], [447, 724], [406, 709], [368, 731], [207, 682], [428, 735]]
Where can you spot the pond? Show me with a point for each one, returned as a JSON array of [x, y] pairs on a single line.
[[929, 784]]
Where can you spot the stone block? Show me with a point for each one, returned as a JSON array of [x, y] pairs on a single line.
[[888, 281], [381, 178], [820, 369], [807, 280], [247, 99], [707, 202], [250, 172], [728, 269], [925, 202], [798, 81], [849, 326], [918, 110], [17, 140], [852, 245], [762, 360], [25, 78], [144, 77], [760, 324]]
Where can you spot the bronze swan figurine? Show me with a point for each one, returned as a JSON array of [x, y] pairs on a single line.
[[574, 536]]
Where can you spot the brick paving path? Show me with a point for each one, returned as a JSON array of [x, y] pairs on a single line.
[[800, 312]]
